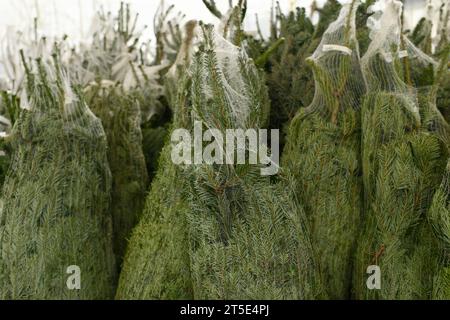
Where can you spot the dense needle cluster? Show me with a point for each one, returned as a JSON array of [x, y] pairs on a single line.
[[89, 180]]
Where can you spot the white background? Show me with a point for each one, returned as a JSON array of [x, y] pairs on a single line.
[[73, 17]]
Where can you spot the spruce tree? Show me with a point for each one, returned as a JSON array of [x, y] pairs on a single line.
[[56, 196], [323, 152], [231, 234], [121, 88], [121, 118], [402, 164], [248, 238], [156, 265]]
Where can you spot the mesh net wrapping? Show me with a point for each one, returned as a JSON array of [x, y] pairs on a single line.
[[156, 264], [56, 197], [323, 152], [230, 233], [121, 117], [248, 238], [402, 167]]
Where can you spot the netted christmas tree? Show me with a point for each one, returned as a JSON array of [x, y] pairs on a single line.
[[323, 152], [56, 196], [248, 238], [431, 117], [293, 37], [433, 44], [156, 265], [121, 88], [228, 233], [121, 118], [402, 167], [427, 73]]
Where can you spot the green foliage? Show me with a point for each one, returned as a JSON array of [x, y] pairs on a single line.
[[323, 154], [364, 181], [156, 265], [153, 143], [56, 198], [9, 108], [121, 118], [288, 78], [421, 35], [248, 239], [400, 166], [443, 97], [404, 153], [439, 215], [226, 214]]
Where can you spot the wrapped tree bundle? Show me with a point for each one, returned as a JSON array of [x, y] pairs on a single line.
[[248, 238], [55, 217], [230, 234], [431, 117], [402, 167], [424, 70], [323, 152], [156, 265], [122, 89], [121, 117]]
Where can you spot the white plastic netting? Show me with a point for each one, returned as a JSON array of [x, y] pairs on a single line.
[[323, 151], [339, 81], [437, 15], [379, 61], [228, 60], [402, 166], [58, 189]]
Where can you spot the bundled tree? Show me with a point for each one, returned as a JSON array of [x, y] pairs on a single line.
[[323, 151], [56, 196], [156, 265], [432, 119], [121, 118], [122, 89], [231, 234], [248, 238], [423, 67], [402, 166]]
